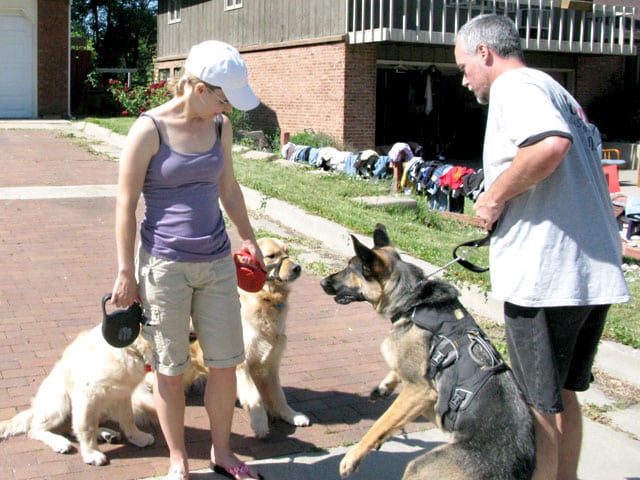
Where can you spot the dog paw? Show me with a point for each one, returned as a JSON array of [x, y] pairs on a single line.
[[381, 392], [259, 421], [386, 387], [349, 464], [300, 420], [94, 457], [108, 436], [378, 393], [61, 445], [141, 439], [261, 432]]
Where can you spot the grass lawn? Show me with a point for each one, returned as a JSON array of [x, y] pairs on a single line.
[[421, 232]]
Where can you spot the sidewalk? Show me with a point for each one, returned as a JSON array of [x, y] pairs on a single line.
[[57, 253]]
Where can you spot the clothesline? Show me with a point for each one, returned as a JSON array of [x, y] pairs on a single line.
[[445, 186]]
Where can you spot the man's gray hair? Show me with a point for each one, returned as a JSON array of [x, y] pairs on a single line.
[[497, 32]]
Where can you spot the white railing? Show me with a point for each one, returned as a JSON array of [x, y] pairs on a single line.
[[543, 25]]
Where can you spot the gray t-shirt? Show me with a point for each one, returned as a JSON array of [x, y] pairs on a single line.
[[556, 244]]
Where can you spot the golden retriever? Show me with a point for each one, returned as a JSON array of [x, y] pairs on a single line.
[[264, 316], [93, 382]]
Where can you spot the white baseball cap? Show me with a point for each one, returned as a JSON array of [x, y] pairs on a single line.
[[220, 65]]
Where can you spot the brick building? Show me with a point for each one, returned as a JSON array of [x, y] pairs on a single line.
[[34, 40], [358, 70]]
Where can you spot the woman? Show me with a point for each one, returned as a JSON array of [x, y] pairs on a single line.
[[178, 155]]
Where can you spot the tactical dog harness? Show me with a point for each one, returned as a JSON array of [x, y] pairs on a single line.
[[455, 335]]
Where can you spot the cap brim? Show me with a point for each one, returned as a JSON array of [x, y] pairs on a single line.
[[242, 98]]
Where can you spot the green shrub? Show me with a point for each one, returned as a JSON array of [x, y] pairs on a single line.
[[311, 139], [239, 120], [138, 98]]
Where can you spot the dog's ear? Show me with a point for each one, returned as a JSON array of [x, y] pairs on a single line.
[[362, 252], [380, 236]]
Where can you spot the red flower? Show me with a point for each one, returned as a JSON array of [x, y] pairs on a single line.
[[125, 113]]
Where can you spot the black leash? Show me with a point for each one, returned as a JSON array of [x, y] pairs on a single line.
[[478, 242]]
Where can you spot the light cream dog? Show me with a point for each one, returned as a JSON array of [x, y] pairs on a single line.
[[93, 382], [264, 316]]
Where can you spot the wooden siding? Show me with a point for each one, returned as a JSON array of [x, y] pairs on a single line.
[[258, 22], [266, 23]]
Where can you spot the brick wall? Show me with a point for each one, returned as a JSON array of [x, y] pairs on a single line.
[[607, 90], [53, 59], [310, 87], [360, 105], [597, 75]]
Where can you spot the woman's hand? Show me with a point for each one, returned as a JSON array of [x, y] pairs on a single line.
[[125, 291], [254, 250]]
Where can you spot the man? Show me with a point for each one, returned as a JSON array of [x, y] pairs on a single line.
[[555, 250]]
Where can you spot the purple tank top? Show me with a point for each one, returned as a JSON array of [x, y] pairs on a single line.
[[182, 220]]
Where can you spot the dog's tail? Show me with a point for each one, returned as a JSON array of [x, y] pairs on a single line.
[[17, 425]]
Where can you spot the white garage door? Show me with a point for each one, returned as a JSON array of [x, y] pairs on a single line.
[[17, 73]]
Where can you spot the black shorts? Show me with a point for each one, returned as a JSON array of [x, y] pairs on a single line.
[[552, 349]]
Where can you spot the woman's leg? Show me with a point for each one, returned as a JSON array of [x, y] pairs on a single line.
[[219, 402], [168, 394]]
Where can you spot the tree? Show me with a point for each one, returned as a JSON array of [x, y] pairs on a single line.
[[122, 32]]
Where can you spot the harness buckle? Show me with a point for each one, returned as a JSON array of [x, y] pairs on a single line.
[[437, 358], [458, 398], [443, 354]]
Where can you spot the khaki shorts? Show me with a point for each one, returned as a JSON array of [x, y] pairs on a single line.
[[205, 293]]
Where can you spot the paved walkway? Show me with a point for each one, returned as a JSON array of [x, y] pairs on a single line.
[[57, 255]]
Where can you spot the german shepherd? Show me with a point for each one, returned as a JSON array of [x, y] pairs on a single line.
[[451, 373]]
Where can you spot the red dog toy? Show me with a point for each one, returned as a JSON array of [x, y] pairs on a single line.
[[251, 276]]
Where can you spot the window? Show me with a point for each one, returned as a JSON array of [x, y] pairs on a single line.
[[174, 10], [232, 4]]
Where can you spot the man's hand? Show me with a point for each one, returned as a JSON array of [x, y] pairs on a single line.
[[488, 210]]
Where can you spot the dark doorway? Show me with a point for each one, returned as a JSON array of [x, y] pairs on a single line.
[[429, 106]]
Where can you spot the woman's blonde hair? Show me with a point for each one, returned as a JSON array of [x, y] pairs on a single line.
[[176, 85]]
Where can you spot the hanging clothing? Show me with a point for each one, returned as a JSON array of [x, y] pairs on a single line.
[[428, 96]]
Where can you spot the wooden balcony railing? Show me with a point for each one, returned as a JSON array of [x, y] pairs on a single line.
[[543, 24]]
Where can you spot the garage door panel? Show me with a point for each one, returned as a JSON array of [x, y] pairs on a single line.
[[17, 82]]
